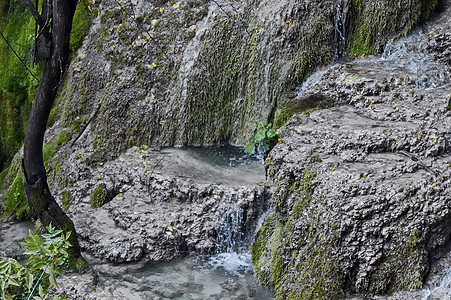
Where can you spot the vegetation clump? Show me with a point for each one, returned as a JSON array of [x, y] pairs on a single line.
[[47, 256], [262, 139]]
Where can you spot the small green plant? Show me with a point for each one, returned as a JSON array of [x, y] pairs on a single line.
[[261, 139], [47, 256]]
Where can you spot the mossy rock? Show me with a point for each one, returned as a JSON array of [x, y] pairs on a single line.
[[99, 196], [66, 200], [15, 201], [304, 104]]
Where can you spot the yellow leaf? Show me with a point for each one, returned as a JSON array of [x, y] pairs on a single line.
[[171, 229], [217, 196], [288, 23], [153, 65], [154, 22], [333, 169], [433, 31], [147, 36], [161, 9]]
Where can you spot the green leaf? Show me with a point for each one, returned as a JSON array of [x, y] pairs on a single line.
[[41, 291], [11, 281], [249, 148], [264, 147], [53, 280], [30, 279], [259, 136], [271, 133]]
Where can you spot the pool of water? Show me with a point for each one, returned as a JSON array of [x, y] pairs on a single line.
[[191, 276], [223, 155]]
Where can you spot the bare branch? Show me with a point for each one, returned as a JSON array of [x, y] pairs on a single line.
[[34, 11]]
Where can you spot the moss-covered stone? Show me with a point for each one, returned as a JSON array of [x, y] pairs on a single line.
[[402, 268], [302, 105], [370, 26], [99, 196], [16, 201], [295, 249], [66, 200]]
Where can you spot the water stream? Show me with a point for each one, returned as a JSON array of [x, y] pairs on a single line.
[[226, 273], [339, 31]]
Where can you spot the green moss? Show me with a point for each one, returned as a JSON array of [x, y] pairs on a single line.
[[374, 26], [48, 150], [80, 26], [266, 253], [63, 138], [75, 126], [98, 196], [17, 86], [258, 246], [15, 200], [320, 277], [303, 192], [212, 103], [3, 176], [403, 268], [78, 264], [66, 199]]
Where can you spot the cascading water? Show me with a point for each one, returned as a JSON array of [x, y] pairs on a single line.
[[225, 272], [339, 31], [268, 60]]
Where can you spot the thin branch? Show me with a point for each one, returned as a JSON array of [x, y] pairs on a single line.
[[139, 25], [230, 15], [15, 53], [34, 11], [14, 209], [40, 277]]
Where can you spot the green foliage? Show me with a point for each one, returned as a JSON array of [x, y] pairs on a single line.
[[261, 139], [46, 257], [17, 86]]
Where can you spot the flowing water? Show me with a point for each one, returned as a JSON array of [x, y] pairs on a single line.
[[339, 31], [225, 274]]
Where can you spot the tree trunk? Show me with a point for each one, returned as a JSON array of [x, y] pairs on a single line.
[[41, 202]]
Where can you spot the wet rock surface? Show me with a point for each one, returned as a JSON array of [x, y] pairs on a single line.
[[362, 188], [157, 203]]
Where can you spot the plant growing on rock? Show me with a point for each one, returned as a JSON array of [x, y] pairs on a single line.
[[262, 138], [47, 255]]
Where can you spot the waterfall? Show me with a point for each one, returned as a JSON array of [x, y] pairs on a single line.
[[268, 61], [231, 230], [339, 32]]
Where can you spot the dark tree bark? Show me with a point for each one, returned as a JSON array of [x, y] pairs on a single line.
[[40, 200]]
